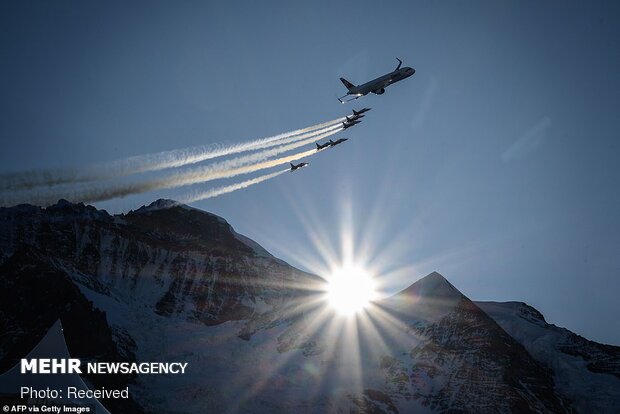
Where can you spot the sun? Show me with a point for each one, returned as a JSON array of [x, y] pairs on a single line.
[[350, 289]]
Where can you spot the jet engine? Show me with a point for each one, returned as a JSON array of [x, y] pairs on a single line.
[[379, 91]]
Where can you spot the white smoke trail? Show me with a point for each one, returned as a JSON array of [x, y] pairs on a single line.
[[179, 158], [150, 162], [225, 169], [214, 192], [321, 132]]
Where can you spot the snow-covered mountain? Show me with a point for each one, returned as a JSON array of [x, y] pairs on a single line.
[[171, 283], [586, 371]]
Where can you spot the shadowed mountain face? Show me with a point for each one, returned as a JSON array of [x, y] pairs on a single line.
[[171, 283], [587, 371]]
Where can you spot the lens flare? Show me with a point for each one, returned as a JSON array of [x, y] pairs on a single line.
[[350, 289]]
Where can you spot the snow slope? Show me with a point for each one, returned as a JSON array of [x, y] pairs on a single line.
[[172, 283]]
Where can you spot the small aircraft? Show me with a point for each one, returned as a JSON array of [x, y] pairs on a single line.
[[348, 123], [378, 85], [298, 166], [361, 111], [319, 147], [334, 143]]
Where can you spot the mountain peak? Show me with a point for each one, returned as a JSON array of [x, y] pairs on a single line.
[[161, 204], [65, 208], [63, 203], [428, 298], [434, 277], [164, 203], [432, 285]]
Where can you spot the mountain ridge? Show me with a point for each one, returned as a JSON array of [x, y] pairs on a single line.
[[180, 284]]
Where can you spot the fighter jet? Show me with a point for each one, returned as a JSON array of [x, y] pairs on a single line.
[[319, 147], [298, 166], [361, 111], [348, 124], [354, 117], [378, 85], [334, 143]]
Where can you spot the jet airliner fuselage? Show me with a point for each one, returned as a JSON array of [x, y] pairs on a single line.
[[378, 85]]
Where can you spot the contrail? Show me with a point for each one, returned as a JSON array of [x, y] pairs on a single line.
[[150, 162], [214, 192], [224, 169]]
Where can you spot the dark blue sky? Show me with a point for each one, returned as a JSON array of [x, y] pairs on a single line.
[[496, 164]]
